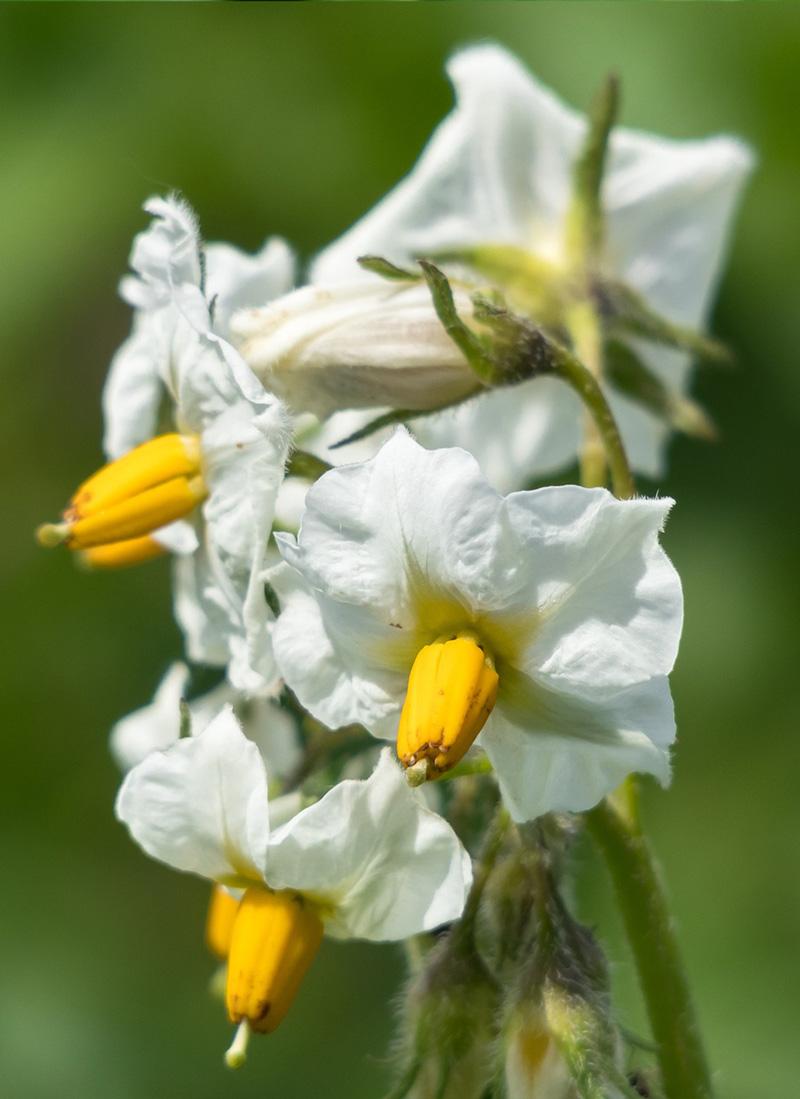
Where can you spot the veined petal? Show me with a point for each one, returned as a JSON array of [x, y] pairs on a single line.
[[382, 865], [558, 752], [406, 536], [339, 674], [609, 602], [201, 806]]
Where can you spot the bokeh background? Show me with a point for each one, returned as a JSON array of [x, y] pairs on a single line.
[[293, 119]]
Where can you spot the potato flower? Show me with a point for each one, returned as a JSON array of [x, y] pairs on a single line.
[[206, 488], [367, 861], [419, 602], [493, 187]]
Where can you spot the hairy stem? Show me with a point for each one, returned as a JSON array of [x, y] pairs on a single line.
[[651, 932], [585, 384]]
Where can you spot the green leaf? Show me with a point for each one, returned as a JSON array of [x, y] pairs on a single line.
[[626, 372], [627, 312]]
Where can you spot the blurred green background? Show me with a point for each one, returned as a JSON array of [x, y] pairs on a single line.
[[292, 120]]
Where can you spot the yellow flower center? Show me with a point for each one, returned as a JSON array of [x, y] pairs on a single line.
[[275, 939], [452, 690], [113, 513], [222, 909]]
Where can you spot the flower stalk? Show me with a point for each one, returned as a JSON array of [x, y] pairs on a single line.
[[651, 932]]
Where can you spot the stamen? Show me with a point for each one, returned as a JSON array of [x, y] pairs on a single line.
[[121, 555], [154, 462], [51, 535], [222, 909], [236, 1053], [138, 515], [152, 486], [276, 936], [452, 690]]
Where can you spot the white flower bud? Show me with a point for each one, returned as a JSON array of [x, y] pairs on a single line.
[[362, 344]]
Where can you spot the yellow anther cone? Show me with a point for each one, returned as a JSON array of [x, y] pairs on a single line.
[[222, 909], [452, 689], [138, 515], [121, 555], [154, 462], [275, 939], [148, 488]]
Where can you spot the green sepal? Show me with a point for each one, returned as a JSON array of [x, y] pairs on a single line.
[[626, 372], [628, 313], [378, 265], [585, 224], [303, 464], [471, 346], [528, 281]]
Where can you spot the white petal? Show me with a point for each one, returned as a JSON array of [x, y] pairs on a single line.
[[495, 171], [133, 390], [236, 280], [669, 207], [271, 728], [202, 805], [516, 433], [387, 866], [609, 602], [167, 253], [205, 617], [395, 534], [320, 437], [179, 537], [244, 452], [393, 553], [153, 727], [564, 753], [329, 670]]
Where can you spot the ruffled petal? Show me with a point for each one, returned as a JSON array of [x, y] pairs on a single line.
[[201, 806], [382, 865], [558, 752]]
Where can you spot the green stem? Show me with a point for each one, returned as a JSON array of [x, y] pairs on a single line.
[[651, 932], [585, 384], [492, 846], [479, 766], [584, 328]]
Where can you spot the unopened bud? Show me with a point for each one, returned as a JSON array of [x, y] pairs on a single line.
[[364, 344]]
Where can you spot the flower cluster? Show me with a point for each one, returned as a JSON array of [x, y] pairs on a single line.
[[527, 297]]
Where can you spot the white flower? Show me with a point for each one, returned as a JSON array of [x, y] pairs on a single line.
[[157, 726], [497, 172], [367, 861], [566, 590], [377, 863], [226, 452], [179, 279], [360, 344]]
